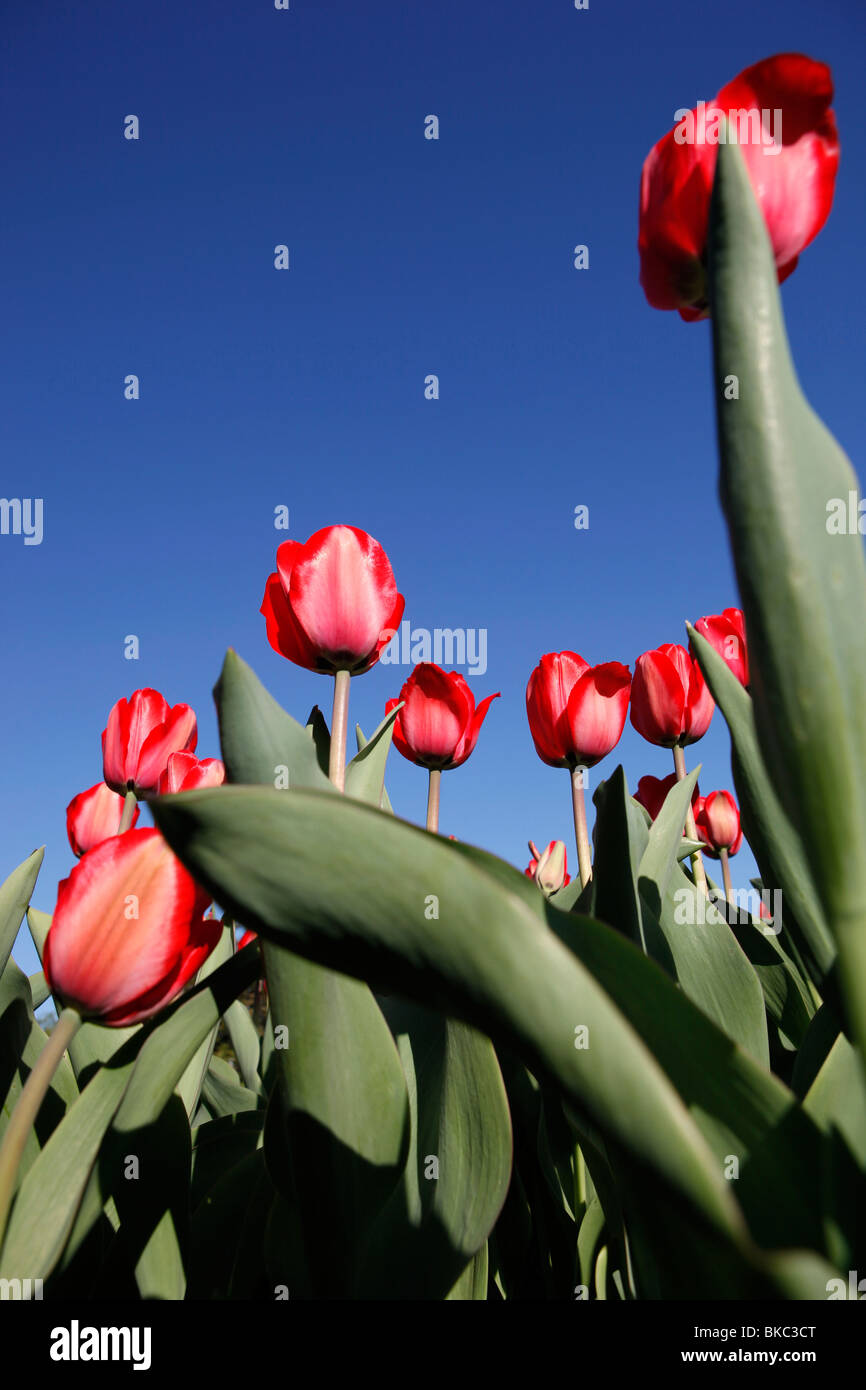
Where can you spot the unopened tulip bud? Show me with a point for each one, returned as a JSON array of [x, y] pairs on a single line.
[[549, 869]]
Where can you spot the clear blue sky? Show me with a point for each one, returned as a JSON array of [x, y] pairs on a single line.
[[306, 387]]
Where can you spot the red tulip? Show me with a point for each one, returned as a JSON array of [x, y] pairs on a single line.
[[439, 724], [726, 632], [128, 931], [246, 938], [140, 737], [184, 772], [94, 816], [793, 178], [652, 793], [332, 604], [550, 867], [576, 711], [718, 823], [670, 700]]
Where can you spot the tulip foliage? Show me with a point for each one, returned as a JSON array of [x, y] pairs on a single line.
[[426, 1074]]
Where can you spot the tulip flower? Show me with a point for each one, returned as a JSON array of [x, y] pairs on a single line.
[[726, 632], [138, 741], [94, 816], [332, 606], [576, 711], [184, 772], [576, 717], [549, 868], [779, 112], [718, 825], [128, 932], [671, 705], [652, 793], [438, 724]]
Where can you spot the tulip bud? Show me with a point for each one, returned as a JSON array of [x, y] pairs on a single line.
[[549, 869], [184, 772], [718, 823], [726, 633]]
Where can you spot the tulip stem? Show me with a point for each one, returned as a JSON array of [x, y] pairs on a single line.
[[433, 791], [29, 1102], [726, 874], [690, 827], [130, 801], [339, 725], [581, 834]]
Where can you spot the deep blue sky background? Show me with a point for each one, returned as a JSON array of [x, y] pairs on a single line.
[[305, 387]]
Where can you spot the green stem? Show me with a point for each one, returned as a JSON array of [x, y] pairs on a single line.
[[31, 1098], [339, 726], [581, 834], [130, 801], [433, 799], [691, 828], [726, 875]]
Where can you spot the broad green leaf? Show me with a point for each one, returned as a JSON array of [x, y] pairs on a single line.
[[257, 737], [318, 730], [472, 1284], [189, 1086], [458, 1165], [766, 825], [621, 837], [245, 1044], [699, 948], [39, 989], [362, 741], [344, 1110], [15, 895], [803, 587], [327, 875], [21, 1042], [365, 774], [51, 1193], [223, 1092]]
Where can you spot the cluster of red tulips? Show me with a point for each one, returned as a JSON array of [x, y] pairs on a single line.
[[130, 928]]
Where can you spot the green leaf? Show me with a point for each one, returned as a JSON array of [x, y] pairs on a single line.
[[49, 1197], [774, 841], [21, 1042], [327, 875], [245, 1044], [258, 737], [472, 1284], [318, 730], [345, 1111], [429, 1235], [362, 741], [803, 589], [15, 895], [702, 952], [39, 989], [223, 1092], [365, 774]]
